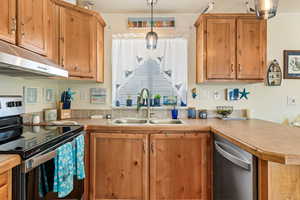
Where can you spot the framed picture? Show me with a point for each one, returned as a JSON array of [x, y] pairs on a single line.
[[31, 95], [292, 64], [49, 95]]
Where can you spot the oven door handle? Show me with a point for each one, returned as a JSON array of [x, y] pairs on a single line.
[[34, 162], [41, 158]]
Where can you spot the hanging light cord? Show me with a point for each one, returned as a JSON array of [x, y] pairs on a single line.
[[151, 16]]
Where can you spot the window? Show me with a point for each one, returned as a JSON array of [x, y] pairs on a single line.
[[163, 71]]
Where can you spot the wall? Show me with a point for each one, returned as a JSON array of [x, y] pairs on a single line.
[[14, 86], [266, 102], [269, 103]]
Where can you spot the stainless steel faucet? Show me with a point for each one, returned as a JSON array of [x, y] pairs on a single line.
[[145, 95]]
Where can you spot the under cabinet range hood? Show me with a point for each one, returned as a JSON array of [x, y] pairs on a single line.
[[16, 61]]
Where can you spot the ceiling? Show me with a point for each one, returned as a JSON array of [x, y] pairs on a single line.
[[184, 6]]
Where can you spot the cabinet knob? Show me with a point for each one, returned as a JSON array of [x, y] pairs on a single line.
[[13, 26]]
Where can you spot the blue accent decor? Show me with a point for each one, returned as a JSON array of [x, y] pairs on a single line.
[[174, 113], [194, 93], [129, 102], [244, 94], [66, 98]]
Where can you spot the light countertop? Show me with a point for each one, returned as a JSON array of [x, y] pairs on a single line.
[[266, 140]]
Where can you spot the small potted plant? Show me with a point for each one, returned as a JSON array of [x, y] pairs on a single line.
[[157, 98], [129, 101]]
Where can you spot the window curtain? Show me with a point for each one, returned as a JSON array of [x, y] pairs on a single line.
[[171, 55]]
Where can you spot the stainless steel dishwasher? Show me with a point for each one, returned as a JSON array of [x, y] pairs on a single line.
[[235, 172]]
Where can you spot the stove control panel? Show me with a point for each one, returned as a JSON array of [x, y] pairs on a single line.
[[11, 105]]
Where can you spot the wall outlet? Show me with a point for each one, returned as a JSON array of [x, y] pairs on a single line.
[[291, 101], [217, 95]]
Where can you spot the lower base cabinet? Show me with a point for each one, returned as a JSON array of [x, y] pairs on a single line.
[[119, 166], [180, 166], [151, 166], [6, 185]]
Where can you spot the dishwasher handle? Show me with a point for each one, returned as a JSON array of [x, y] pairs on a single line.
[[232, 158]]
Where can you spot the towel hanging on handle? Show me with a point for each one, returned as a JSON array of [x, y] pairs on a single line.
[[64, 170], [78, 153]]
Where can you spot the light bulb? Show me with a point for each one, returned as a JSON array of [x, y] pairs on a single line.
[[151, 40]]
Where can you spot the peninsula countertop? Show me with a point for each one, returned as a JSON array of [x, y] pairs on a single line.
[[266, 140]]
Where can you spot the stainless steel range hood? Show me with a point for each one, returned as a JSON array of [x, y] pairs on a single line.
[[15, 61]]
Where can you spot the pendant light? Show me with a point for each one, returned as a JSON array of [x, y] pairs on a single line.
[[151, 37], [266, 9]]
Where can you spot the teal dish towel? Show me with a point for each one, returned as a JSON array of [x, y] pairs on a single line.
[[64, 170], [79, 157]]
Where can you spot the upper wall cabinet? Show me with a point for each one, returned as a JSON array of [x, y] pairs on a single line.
[[77, 43], [81, 41], [32, 25], [8, 21], [53, 31], [230, 47], [251, 49]]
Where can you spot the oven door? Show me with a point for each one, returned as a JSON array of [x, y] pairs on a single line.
[[29, 178]]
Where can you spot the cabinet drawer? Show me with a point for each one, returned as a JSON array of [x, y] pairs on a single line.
[[4, 193], [4, 179]]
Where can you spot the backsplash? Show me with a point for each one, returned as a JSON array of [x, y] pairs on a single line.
[[160, 113], [15, 86]]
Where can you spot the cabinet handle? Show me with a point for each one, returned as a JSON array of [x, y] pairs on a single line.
[[232, 68], [240, 68], [23, 34], [152, 148]]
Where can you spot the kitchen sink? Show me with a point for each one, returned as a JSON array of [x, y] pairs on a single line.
[[166, 122], [144, 121], [130, 121]]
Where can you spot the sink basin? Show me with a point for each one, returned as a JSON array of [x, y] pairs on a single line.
[[130, 121], [165, 122]]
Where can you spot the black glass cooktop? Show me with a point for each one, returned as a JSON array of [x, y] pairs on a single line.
[[31, 140]]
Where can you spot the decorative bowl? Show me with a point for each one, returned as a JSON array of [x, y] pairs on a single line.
[[225, 111]]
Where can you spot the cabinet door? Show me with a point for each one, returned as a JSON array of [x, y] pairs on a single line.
[[100, 52], [6, 185], [221, 48], [77, 43], [180, 167], [53, 31], [251, 49], [32, 24], [119, 166], [8, 21]]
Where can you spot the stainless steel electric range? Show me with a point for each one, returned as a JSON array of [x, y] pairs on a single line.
[[36, 146]]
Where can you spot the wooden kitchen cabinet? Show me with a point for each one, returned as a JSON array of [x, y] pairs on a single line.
[[53, 31], [77, 43], [230, 47], [8, 21], [221, 45], [180, 166], [32, 25], [100, 52], [251, 49], [119, 166], [6, 185]]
